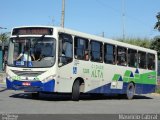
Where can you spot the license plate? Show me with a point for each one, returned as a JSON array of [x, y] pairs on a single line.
[[26, 84]]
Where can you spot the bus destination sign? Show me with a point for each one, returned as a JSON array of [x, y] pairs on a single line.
[[33, 31]]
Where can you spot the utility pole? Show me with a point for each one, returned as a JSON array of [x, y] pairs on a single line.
[[102, 34], [63, 13], [123, 18]]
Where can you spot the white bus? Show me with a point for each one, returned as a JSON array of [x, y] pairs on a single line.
[[59, 60]]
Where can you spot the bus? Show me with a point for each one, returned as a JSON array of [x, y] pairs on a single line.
[[52, 59]]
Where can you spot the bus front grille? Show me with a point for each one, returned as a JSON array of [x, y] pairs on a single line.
[[27, 73]]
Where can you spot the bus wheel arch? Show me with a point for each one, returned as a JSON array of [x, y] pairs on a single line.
[[82, 84], [77, 88], [130, 92]]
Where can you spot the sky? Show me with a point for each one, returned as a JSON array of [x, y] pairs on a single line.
[[89, 16]]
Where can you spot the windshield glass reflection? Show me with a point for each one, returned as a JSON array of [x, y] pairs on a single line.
[[31, 52]]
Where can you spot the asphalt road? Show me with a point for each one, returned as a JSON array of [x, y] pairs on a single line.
[[19, 102]]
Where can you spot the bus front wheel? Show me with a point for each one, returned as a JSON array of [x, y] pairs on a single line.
[[130, 91], [76, 90]]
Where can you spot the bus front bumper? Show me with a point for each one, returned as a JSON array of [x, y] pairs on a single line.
[[31, 86]]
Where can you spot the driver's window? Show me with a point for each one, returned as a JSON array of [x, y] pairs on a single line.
[[65, 49]]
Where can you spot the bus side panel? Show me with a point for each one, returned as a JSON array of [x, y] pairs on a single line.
[[140, 89], [145, 88], [144, 80], [106, 78], [65, 78]]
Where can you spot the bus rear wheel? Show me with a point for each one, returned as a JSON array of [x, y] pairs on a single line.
[[130, 91], [76, 91]]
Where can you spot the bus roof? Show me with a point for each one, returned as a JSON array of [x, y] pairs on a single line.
[[93, 37]]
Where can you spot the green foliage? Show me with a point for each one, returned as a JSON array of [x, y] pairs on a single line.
[[147, 43], [142, 42], [3, 37], [157, 26], [155, 45]]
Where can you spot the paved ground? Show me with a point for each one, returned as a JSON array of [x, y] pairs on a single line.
[[2, 81], [19, 102], [2, 87]]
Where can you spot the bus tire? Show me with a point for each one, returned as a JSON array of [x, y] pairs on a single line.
[[130, 91], [76, 91]]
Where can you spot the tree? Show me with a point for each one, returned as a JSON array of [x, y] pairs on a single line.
[[155, 45], [3, 37], [142, 42], [4, 40], [157, 26]]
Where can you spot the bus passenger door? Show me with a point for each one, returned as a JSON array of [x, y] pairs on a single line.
[[65, 64]]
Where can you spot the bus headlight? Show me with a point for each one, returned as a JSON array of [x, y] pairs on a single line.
[[9, 77], [49, 78]]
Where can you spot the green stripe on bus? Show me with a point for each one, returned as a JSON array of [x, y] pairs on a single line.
[[116, 77], [145, 78], [127, 73]]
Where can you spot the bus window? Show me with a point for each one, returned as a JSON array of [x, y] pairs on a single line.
[[81, 48], [96, 51], [121, 56], [142, 60], [65, 49], [151, 61], [109, 56], [132, 58]]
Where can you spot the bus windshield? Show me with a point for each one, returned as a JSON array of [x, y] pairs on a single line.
[[31, 52]]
